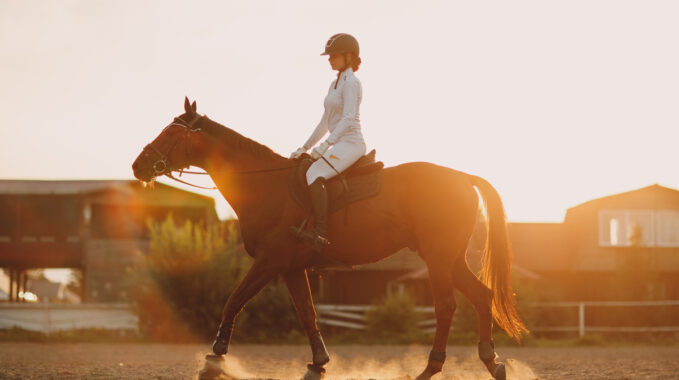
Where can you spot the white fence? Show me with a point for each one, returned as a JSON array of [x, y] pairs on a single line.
[[582, 327], [48, 318], [353, 317]]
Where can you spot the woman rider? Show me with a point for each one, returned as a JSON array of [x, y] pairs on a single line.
[[345, 144]]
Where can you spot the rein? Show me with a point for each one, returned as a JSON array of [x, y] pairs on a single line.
[[160, 167]]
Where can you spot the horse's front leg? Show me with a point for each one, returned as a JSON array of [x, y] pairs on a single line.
[[298, 285], [260, 274]]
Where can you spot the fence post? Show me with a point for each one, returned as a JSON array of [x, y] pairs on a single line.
[[581, 319]]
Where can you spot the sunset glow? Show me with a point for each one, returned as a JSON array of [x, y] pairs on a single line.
[[553, 103]]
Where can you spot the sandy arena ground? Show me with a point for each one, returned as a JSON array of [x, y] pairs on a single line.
[[156, 361]]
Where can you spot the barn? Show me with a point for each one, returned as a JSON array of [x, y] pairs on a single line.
[[620, 247], [94, 226]]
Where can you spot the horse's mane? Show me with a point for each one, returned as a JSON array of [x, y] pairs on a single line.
[[235, 140]]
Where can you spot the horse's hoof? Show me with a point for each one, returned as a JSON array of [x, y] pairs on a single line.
[[213, 369], [500, 372], [314, 372]]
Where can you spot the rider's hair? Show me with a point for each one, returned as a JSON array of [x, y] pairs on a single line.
[[354, 61]]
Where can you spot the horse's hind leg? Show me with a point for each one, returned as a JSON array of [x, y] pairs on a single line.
[[481, 297], [298, 285], [441, 280]]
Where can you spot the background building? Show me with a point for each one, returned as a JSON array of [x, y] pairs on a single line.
[[96, 227], [620, 247]]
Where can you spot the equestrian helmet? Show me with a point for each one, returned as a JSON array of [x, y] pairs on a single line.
[[341, 43]]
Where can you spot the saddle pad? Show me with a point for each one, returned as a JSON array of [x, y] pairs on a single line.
[[363, 181]]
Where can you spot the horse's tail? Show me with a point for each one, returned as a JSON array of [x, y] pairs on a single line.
[[495, 273]]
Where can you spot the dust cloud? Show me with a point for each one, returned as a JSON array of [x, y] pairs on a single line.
[[351, 367]]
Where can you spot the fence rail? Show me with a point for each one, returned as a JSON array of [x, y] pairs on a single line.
[[582, 328], [48, 318], [353, 316]]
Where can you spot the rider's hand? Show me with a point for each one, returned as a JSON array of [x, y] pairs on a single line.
[[320, 150], [298, 153]]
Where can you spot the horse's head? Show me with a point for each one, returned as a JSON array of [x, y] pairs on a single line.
[[170, 150]]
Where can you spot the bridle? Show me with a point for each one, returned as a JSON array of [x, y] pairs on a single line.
[[162, 164]]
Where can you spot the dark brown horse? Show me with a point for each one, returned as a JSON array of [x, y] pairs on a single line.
[[429, 208]]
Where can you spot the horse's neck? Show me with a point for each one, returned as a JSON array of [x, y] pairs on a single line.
[[246, 173], [238, 151]]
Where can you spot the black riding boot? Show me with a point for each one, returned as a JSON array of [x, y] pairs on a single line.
[[319, 200]]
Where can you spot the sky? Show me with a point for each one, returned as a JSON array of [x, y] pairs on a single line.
[[554, 102]]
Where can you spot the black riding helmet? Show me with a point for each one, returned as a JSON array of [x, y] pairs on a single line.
[[341, 43]]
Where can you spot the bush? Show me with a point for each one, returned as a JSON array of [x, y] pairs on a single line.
[[394, 319], [186, 277]]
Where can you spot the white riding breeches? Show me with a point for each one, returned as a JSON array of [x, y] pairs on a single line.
[[341, 156]]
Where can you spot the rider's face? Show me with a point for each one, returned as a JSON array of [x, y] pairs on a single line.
[[337, 61]]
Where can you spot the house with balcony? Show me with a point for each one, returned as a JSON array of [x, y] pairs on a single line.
[[620, 247], [97, 227]]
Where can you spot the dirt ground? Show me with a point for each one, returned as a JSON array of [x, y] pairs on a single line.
[[156, 361]]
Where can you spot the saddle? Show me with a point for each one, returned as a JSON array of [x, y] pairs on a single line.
[[361, 180]]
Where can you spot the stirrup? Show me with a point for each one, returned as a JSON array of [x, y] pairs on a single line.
[[318, 242]]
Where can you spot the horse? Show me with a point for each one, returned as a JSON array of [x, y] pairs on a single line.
[[429, 208]]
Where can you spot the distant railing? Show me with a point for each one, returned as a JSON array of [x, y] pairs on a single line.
[[48, 318], [353, 317], [582, 327]]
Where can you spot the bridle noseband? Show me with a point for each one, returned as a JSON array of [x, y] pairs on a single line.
[[162, 165]]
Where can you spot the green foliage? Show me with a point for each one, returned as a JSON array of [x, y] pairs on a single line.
[[186, 277], [269, 316], [395, 317]]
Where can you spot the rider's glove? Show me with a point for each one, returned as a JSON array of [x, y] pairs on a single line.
[[320, 150], [298, 153]]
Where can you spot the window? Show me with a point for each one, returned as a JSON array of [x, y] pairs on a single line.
[[625, 228], [667, 228], [611, 227], [615, 231], [640, 228]]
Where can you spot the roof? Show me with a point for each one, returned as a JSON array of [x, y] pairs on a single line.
[[423, 273], [11, 186], [644, 194], [44, 288], [75, 187]]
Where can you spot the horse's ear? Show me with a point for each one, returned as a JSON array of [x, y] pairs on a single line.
[[193, 106], [187, 104]]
